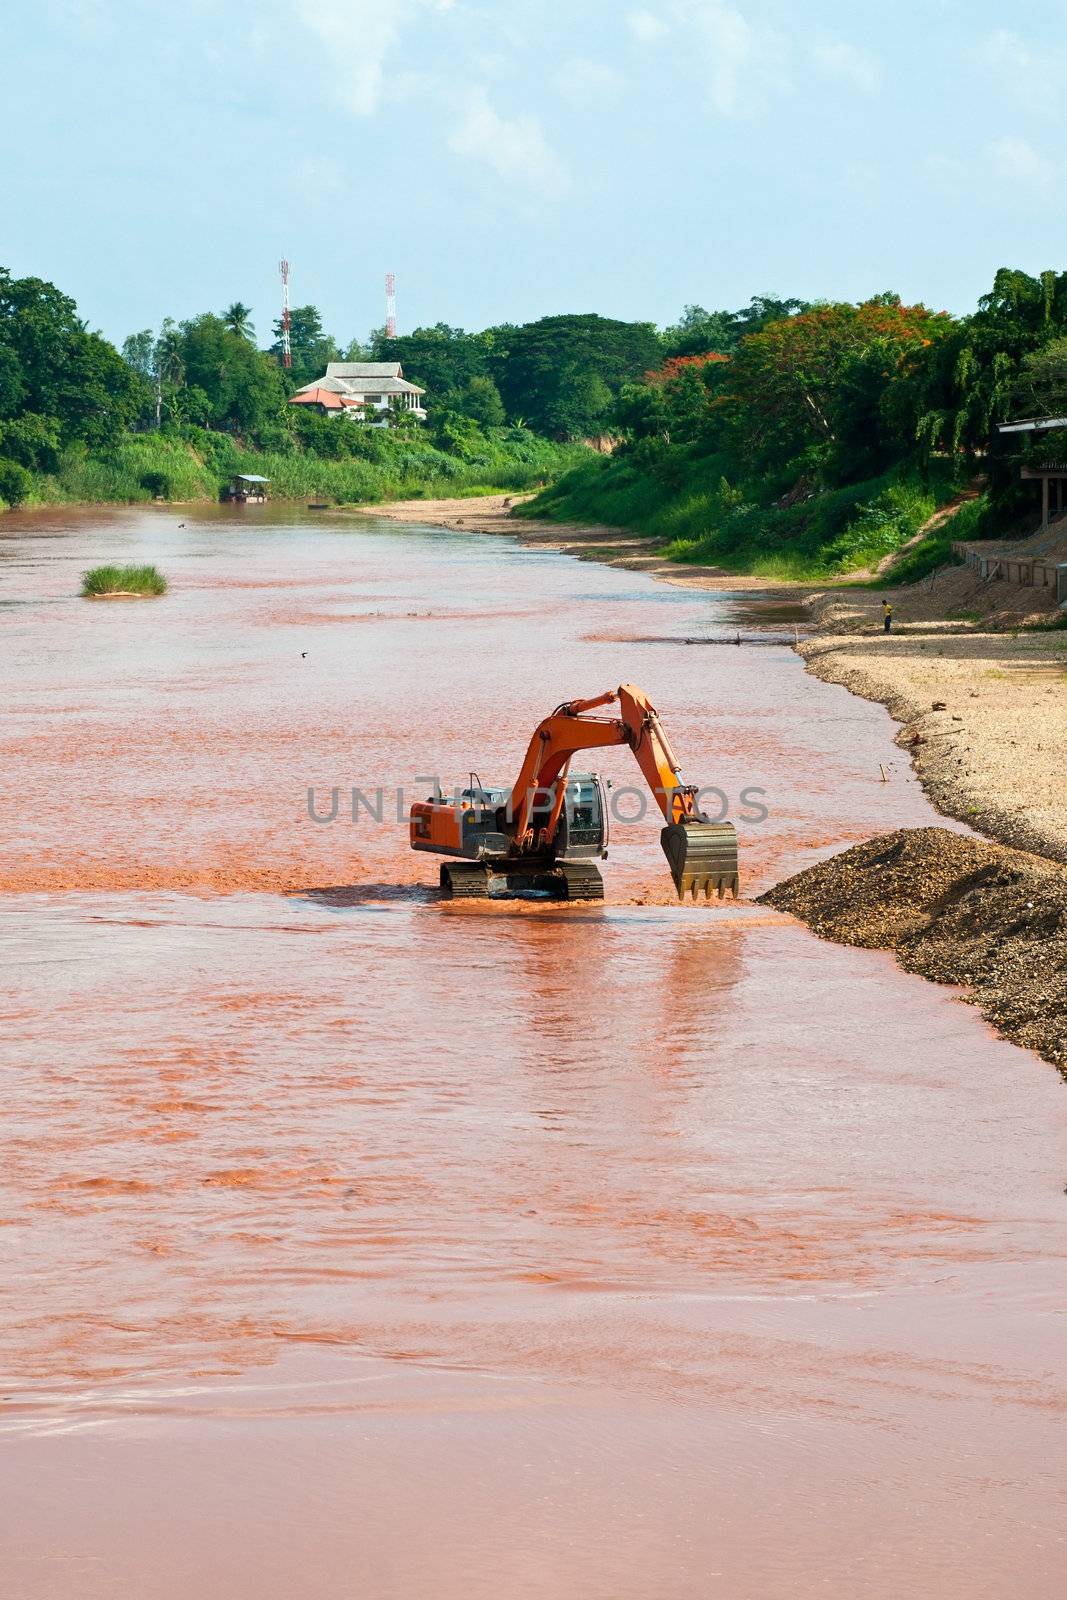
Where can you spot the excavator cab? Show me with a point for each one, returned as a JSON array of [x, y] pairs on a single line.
[[583, 834]]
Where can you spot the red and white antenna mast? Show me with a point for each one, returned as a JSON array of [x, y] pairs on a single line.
[[287, 348], [390, 305]]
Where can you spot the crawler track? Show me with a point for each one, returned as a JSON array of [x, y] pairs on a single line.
[[472, 880]]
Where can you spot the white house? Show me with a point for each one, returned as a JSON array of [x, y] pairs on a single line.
[[365, 389]]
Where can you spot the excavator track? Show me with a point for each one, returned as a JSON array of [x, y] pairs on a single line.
[[561, 880], [465, 881], [583, 880]]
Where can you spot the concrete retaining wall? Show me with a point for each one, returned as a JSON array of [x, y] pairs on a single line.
[[1028, 572]]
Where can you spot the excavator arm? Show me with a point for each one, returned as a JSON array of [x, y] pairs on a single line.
[[527, 841], [702, 855]]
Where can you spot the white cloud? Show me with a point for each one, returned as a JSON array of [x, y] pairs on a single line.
[[745, 58], [645, 26], [1016, 160], [839, 59], [733, 49], [514, 147], [359, 34]]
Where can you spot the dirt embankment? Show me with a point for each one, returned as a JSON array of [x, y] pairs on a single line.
[[956, 910]]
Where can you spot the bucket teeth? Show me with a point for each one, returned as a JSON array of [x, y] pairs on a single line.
[[702, 857]]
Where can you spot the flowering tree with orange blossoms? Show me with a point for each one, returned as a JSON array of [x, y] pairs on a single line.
[[805, 386]]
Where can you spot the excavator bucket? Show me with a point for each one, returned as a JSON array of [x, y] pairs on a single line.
[[702, 857]]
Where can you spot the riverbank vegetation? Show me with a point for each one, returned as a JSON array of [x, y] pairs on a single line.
[[816, 441], [132, 580], [787, 439], [182, 409]]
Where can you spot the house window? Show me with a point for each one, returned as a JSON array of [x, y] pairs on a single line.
[[373, 399]]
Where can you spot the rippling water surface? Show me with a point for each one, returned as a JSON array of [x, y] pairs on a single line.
[[356, 1243]]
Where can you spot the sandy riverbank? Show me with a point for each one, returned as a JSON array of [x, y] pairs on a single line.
[[984, 719]]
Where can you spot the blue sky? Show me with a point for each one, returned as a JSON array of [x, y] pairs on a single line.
[[514, 158]]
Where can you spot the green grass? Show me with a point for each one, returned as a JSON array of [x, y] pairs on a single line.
[[380, 466], [123, 580], [701, 518]]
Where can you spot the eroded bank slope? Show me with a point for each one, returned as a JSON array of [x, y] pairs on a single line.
[[956, 910]]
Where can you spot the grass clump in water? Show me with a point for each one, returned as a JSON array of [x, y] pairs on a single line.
[[123, 580]]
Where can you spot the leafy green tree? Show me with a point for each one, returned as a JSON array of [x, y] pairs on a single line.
[[12, 385], [1041, 387], [481, 402], [238, 319], [59, 369], [139, 352], [311, 347], [15, 483], [562, 373], [244, 389], [580, 405], [31, 440], [955, 398], [698, 331], [442, 360]]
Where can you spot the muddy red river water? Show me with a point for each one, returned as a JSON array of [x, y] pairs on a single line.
[[359, 1244]]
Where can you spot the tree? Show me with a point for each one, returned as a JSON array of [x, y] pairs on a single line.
[[1041, 388], [562, 373], [31, 440], [481, 402], [138, 351], [311, 348], [15, 483], [12, 384], [238, 319], [955, 398], [53, 367], [698, 331], [244, 389], [442, 360], [790, 383]]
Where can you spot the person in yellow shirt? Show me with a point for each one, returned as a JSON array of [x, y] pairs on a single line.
[[887, 612]]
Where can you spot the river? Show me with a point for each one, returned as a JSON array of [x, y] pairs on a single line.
[[353, 1242]]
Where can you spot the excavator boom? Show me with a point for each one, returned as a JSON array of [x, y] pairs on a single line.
[[534, 830]]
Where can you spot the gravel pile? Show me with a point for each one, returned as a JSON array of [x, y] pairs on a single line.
[[957, 910]]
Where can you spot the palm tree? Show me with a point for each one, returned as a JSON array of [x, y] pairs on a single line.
[[237, 319]]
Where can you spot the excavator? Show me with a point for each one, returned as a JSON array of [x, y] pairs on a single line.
[[541, 838]]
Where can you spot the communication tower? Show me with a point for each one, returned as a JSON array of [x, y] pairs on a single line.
[[390, 305], [287, 348]]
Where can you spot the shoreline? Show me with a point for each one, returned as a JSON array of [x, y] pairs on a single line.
[[994, 754], [612, 547]]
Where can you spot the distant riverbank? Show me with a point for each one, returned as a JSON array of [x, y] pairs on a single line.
[[370, 465]]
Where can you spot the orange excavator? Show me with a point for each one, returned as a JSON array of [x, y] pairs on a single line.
[[542, 837]]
